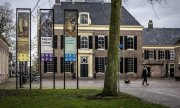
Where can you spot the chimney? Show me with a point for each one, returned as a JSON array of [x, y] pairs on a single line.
[[57, 2], [150, 24]]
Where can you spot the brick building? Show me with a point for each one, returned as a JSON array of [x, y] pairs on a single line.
[[93, 41], [161, 51]]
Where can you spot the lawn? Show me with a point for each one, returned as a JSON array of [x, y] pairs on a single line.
[[68, 99]]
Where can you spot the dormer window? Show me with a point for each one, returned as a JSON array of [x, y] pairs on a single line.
[[84, 18]]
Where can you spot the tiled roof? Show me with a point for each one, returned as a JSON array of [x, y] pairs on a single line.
[[161, 36], [178, 41], [99, 13]]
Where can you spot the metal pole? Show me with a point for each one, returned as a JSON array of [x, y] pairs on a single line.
[[77, 54], [30, 46], [64, 53], [54, 55], [20, 75], [16, 49], [40, 52]]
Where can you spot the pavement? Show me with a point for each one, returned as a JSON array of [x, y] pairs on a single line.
[[160, 91]]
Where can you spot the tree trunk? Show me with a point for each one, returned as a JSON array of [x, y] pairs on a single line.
[[110, 83]]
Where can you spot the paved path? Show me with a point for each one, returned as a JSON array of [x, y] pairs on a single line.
[[161, 91]]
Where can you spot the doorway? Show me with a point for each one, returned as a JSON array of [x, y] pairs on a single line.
[[171, 69], [84, 67]]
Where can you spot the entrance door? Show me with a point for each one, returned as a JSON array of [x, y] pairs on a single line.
[[84, 67], [171, 68]]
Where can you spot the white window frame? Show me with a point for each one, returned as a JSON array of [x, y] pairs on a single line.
[[162, 54], [84, 43], [172, 54], [129, 45], [84, 60], [101, 42], [80, 18]]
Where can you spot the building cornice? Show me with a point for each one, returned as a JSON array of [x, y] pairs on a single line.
[[158, 47], [101, 27], [2, 41]]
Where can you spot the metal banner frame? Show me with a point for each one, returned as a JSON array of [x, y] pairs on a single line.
[[71, 29], [28, 33], [40, 50]]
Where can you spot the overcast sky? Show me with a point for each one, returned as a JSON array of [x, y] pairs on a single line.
[[166, 15]]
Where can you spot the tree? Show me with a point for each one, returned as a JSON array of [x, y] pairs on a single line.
[[110, 83], [7, 26], [6, 20]]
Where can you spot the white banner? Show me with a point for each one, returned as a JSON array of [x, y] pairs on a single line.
[[46, 45]]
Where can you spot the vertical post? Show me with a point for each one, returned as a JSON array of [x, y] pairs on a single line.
[[54, 76], [40, 51], [64, 54], [30, 46], [16, 49], [77, 53], [20, 75]]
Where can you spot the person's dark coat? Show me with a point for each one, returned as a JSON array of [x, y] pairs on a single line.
[[144, 73]]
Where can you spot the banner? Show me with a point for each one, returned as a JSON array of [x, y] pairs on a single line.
[[46, 30], [23, 31], [70, 29]]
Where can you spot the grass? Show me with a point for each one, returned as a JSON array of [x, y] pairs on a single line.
[[68, 99]]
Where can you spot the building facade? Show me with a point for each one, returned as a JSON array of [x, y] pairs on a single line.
[[161, 51], [4, 59], [93, 41]]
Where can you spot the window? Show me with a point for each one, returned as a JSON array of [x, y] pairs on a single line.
[[151, 54], [130, 65], [67, 66], [130, 42], [84, 42], [50, 66], [172, 55], [162, 55], [84, 60], [84, 18], [100, 64], [101, 42]]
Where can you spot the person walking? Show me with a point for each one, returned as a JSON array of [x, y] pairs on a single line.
[[145, 75]]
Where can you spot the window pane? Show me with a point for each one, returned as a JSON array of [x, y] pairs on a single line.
[[84, 42], [151, 54], [130, 42], [101, 43], [162, 55], [172, 55], [101, 64], [83, 18], [130, 65]]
